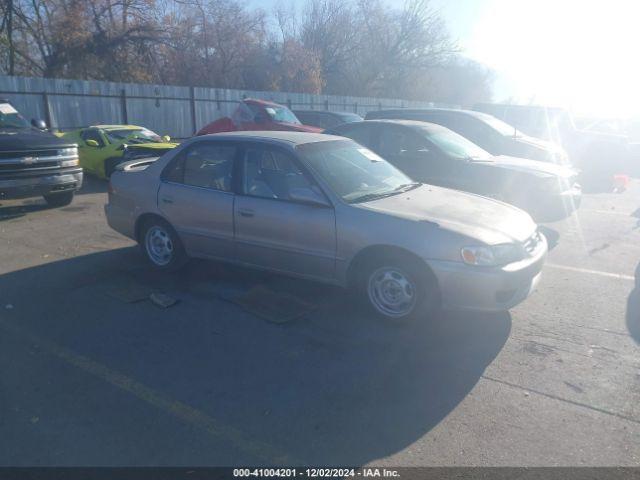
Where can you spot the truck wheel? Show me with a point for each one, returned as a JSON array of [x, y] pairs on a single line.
[[394, 289], [162, 246], [59, 199]]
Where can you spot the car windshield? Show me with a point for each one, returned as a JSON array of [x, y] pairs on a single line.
[[133, 135], [10, 118], [281, 114], [455, 145], [350, 117], [353, 172], [498, 125]]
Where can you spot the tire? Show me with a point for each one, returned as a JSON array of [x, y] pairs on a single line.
[[395, 289], [59, 199], [161, 245]]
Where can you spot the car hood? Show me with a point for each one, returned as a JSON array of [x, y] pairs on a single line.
[[152, 146], [537, 143], [30, 139], [480, 218], [534, 167]]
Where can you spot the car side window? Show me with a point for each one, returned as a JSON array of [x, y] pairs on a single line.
[[270, 173], [92, 135], [396, 141], [204, 165]]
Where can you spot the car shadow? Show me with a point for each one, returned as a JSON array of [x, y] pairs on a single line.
[[331, 388], [633, 308]]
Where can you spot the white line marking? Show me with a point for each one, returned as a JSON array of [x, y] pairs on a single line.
[[592, 272], [610, 212]]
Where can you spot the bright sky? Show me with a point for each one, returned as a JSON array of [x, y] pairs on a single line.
[[581, 54]]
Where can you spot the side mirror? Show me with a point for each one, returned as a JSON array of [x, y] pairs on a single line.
[[92, 143], [39, 124], [308, 196], [166, 138]]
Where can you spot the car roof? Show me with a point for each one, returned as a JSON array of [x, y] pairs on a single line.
[[453, 111], [117, 127], [329, 112], [415, 124], [293, 138]]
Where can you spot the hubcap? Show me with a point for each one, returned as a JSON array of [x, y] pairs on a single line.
[[159, 245], [391, 292]]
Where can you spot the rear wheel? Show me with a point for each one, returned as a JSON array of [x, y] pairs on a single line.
[[395, 289], [161, 245], [59, 199]]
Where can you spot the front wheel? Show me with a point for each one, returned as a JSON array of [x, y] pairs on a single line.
[[397, 290], [162, 246], [59, 199]]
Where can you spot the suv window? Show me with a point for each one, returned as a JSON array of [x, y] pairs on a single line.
[[93, 135], [204, 165], [394, 141], [270, 173]]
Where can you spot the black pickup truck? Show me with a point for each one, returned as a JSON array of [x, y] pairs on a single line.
[[33, 162]]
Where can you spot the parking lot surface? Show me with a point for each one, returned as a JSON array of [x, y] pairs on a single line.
[[94, 373]]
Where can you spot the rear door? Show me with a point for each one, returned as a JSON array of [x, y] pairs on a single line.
[[273, 231], [196, 197]]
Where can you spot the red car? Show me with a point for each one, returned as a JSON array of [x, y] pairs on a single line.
[[253, 114]]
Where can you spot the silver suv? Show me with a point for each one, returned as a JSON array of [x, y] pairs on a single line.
[[325, 208]]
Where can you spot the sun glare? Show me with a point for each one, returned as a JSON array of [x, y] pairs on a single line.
[[578, 54]]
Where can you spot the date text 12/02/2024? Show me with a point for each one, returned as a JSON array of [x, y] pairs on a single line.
[[315, 472]]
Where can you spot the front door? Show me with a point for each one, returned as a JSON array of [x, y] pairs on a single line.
[[416, 156], [196, 197], [272, 230]]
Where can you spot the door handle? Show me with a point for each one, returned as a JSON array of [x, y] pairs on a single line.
[[246, 213], [167, 200]]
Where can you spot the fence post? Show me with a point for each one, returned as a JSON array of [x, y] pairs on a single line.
[[47, 109], [326, 104], [379, 105], [289, 103], [192, 106], [355, 107], [123, 106]]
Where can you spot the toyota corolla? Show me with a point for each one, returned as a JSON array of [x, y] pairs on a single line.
[[323, 207]]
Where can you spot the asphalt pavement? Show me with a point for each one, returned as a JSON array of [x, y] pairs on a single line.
[[95, 374]]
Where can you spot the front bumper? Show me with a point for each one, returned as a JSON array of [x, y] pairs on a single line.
[[34, 186], [554, 207], [468, 287]]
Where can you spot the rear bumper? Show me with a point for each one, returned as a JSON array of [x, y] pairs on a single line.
[[467, 287], [34, 186], [121, 220]]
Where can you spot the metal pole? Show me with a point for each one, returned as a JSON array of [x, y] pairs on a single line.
[[47, 109], [123, 106], [192, 103]]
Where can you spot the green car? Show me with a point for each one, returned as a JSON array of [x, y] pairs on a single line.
[[102, 147]]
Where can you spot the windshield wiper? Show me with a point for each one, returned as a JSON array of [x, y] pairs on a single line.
[[386, 193], [405, 187]]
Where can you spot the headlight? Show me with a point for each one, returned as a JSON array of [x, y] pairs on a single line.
[[65, 152], [491, 256], [69, 163]]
